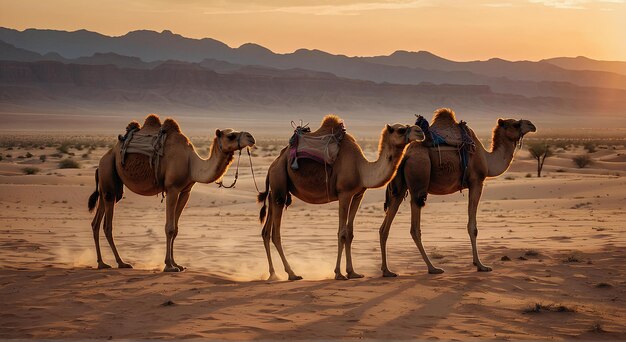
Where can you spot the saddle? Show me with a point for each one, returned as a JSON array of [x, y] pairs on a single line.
[[446, 131], [321, 146], [149, 141]]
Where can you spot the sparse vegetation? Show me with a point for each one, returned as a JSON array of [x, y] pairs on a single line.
[[531, 252], [603, 285], [528, 175], [582, 161], [64, 148], [43, 158], [590, 147], [30, 170], [28, 155], [540, 151], [597, 328], [540, 307], [68, 164]]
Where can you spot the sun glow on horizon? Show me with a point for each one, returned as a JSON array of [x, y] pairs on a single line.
[[458, 30]]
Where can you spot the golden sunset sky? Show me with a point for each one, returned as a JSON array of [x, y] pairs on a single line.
[[459, 30]]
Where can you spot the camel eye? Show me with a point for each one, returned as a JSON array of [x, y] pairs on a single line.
[[232, 136], [401, 131]]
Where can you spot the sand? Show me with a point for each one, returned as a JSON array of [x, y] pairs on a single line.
[[564, 233]]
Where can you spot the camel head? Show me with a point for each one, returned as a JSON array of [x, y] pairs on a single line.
[[400, 135], [229, 140], [515, 130]]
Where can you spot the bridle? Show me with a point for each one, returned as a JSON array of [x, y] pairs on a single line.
[[221, 183]]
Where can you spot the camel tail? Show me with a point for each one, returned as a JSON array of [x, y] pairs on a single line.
[[262, 197], [93, 199]]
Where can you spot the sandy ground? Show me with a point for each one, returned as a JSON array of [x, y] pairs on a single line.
[[564, 233]]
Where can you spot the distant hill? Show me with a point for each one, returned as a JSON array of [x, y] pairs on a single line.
[[186, 85], [584, 63], [401, 67]]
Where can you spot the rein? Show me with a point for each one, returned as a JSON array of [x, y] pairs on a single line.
[[221, 183]]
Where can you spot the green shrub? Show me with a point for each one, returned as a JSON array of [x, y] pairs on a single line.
[[68, 164]]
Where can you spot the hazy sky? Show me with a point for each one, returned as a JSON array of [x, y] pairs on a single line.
[[460, 30]]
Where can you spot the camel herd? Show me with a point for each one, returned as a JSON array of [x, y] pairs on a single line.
[[404, 163]]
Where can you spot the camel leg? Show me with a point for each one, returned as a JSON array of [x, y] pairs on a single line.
[[95, 226], [342, 234], [354, 208], [475, 192], [416, 234], [277, 214], [171, 201], [180, 206], [266, 233], [109, 206], [392, 210]]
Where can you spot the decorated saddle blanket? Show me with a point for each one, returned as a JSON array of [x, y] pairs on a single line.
[[445, 131], [320, 148], [149, 144]]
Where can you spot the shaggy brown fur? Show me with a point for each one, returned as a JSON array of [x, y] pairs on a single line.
[[170, 126], [152, 120], [446, 114], [132, 126]]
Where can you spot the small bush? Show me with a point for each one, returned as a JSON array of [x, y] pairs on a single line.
[[43, 158], [64, 148], [582, 161], [528, 175], [30, 170], [68, 164], [29, 155], [590, 147], [539, 307], [1, 157]]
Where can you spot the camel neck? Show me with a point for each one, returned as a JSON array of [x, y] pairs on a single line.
[[500, 157], [213, 168], [378, 173]]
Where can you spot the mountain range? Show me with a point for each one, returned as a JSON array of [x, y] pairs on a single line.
[[41, 68]]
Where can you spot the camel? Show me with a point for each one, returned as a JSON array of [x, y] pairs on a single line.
[[180, 168], [422, 172], [316, 183]]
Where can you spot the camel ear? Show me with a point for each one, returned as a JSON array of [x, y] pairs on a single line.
[[500, 122], [389, 129], [218, 133]]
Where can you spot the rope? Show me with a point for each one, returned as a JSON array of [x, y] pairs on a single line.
[[221, 183], [252, 170]]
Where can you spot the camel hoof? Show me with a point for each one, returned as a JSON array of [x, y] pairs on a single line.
[[273, 277], [102, 266], [354, 275], [339, 276], [389, 274], [181, 268], [124, 265], [295, 277], [171, 269], [484, 268], [435, 271]]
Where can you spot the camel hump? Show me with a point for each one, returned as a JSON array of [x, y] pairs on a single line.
[[132, 126], [152, 121], [330, 124], [444, 116], [170, 125]]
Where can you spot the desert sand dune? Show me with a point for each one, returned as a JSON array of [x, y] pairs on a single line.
[[557, 246]]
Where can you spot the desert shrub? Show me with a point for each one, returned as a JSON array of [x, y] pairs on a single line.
[[1, 157], [68, 164], [56, 155], [528, 175], [64, 148], [540, 151], [43, 158], [590, 147], [85, 155], [582, 161], [29, 155], [30, 170], [9, 155]]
